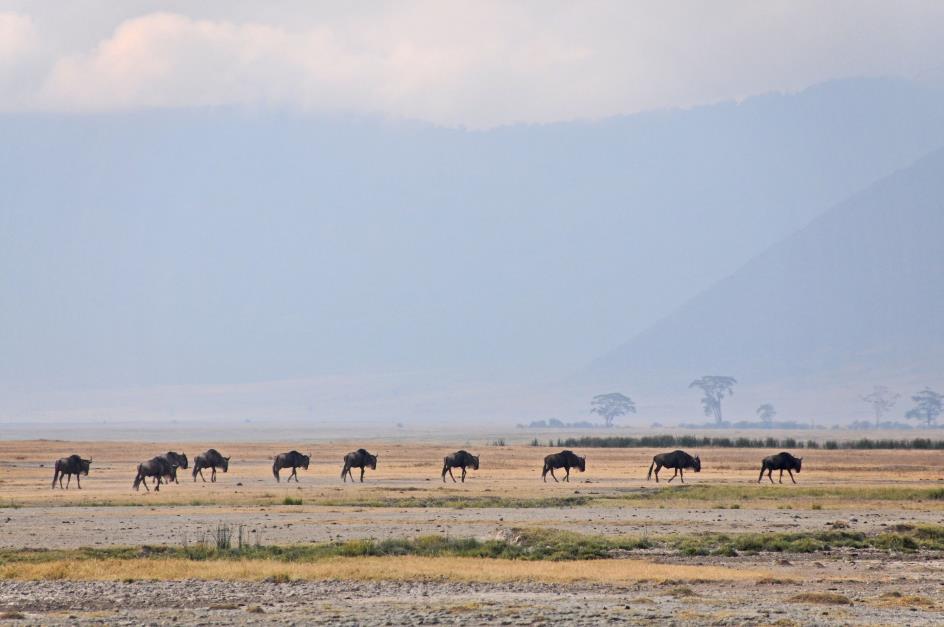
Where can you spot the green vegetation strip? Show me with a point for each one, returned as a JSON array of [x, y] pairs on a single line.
[[670, 441], [459, 502], [521, 544], [786, 494]]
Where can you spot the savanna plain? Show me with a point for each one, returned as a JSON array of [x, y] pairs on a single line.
[[859, 539]]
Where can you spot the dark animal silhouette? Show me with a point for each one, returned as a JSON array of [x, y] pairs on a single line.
[[211, 459], [68, 466], [156, 468], [679, 460], [172, 458], [292, 459], [565, 460], [358, 459], [459, 459], [780, 461]]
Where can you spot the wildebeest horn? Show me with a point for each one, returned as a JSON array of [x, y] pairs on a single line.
[[227, 458]]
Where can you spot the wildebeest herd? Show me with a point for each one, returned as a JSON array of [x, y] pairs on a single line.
[[163, 468]]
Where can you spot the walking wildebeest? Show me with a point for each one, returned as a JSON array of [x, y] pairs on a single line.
[[292, 459], [358, 459], [156, 468], [565, 460], [180, 459], [68, 466], [780, 461], [459, 459], [679, 460], [210, 459]]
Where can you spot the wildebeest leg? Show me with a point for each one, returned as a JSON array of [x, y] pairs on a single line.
[[201, 476], [213, 475], [770, 474], [658, 468], [362, 473], [781, 475], [463, 474], [157, 484], [762, 469], [295, 473], [553, 476], [144, 483], [674, 476], [69, 481], [452, 476], [567, 474], [790, 472], [78, 481]]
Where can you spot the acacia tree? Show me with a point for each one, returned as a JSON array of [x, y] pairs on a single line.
[[714, 388], [928, 406], [612, 406], [882, 400], [766, 413]]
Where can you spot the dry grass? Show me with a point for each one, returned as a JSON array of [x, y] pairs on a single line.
[[408, 473], [821, 598], [376, 569], [897, 599]]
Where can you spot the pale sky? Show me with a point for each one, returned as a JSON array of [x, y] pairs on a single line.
[[476, 64]]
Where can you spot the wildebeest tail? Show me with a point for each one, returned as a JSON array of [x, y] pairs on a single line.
[[275, 470], [344, 469], [55, 475], [651, 466], [138, 478]]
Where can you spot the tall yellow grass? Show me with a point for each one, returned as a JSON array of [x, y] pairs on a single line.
[[376, 569]]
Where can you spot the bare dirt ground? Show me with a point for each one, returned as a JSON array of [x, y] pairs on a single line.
[[866, 490]]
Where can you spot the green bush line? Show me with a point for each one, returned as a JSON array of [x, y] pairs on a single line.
[[528, 544], [668, 441]]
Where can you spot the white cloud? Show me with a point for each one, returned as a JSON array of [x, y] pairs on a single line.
[[18, 38], [476, 63]]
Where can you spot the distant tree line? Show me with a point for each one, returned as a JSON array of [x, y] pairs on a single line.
[[929, 406], [669, 441]]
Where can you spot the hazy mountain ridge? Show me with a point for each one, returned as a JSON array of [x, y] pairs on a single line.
[[856, 296], [188, 247]]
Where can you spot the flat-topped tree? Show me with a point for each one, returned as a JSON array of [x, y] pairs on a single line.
[[882, 400], [928, 406], [612, 406], [714, 389], [766, 413]]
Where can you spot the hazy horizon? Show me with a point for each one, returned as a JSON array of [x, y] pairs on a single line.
[[230, 211]]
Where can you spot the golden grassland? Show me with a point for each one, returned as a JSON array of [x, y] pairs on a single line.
[[408, 475], [406, 568]]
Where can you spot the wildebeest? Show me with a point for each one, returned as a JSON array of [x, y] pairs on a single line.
[[679, 460], [211, 459], [358, 459], [781, 461], [459, 459], [68, 466], [172, 458], [156, 468], [292, 459], [565, 460]]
